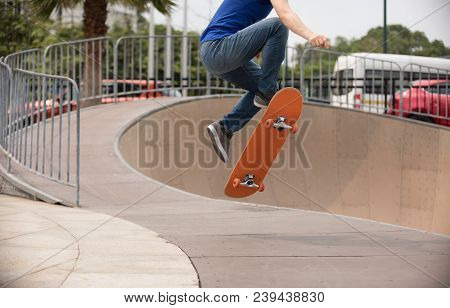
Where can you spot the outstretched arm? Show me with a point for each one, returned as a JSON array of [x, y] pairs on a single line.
[[291, 20]]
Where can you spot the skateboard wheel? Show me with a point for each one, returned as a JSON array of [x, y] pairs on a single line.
[[294, 128], [236, 182], [261, 187], [269, 123]]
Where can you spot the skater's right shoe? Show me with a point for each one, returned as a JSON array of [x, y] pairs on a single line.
[[220, 139], [262, 101]]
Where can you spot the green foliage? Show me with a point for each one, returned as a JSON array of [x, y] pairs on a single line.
[[18, 36], [25, 31], [401, 40], [164, 6], [21, 31], [95, 11], [15, 34], [59, 33], [44, 8]]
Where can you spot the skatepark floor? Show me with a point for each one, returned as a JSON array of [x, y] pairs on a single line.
[[233, 244]]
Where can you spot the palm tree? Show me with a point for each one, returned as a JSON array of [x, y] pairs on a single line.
[[94, 11]]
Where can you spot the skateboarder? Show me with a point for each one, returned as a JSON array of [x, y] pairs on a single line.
[[235, 35]]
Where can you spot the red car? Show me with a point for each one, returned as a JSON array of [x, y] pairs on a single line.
[[425, 100], [36, 111]]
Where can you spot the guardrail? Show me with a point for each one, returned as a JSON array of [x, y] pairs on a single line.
[[87, 61], [290, 75], [349, 81], [30, 60], [142, 66], [425, 94], [149, 65], [40, 124], [6, 83]]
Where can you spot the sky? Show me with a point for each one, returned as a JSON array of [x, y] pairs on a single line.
[[348, 18]]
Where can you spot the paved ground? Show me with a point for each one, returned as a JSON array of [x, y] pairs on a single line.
[[234, 244], [44, 245]]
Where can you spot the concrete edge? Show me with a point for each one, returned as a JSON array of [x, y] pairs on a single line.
[[80, 227], [27, 188]]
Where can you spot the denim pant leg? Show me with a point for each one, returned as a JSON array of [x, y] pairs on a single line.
[[244, 110], [230, 59], [269, 36]]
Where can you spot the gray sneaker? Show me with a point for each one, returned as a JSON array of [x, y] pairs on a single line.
[[261, 102], [220, 139]]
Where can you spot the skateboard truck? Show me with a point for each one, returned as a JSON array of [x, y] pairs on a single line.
[[280, 124], [248, 181]]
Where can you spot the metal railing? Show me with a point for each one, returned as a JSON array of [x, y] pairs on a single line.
[[151, 65], [290, 75], [87, 61], [425, 94], [29, 60], [349, 81], [6, 83], [40, 124]]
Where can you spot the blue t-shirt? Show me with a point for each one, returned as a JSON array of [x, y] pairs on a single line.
[[235, 15]]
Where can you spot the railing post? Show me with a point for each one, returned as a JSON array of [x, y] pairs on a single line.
[[184, 69], [286, 67], [77, 149], [184, 50], [302, 72], [208, 83], [10, 100], [7, 113], [151, 45], [168, 51], [400, 103], [115, 67]]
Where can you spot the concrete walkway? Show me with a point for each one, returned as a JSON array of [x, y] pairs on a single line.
[[234, 244], [44, 245]]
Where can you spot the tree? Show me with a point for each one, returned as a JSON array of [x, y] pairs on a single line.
[[401, 41], [15, 34], [95, 12]]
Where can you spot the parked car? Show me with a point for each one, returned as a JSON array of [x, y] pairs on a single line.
[[424, 100], [39, 110], [49, 110], [132, 90]]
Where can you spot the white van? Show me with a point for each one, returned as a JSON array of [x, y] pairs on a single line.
[[367, 81]]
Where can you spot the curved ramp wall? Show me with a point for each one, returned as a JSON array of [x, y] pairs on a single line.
[[358, 164]]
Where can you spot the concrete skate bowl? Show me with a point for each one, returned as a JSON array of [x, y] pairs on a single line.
[[342, 161]]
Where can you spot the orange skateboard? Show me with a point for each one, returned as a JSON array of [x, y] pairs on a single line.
[[278, 121]]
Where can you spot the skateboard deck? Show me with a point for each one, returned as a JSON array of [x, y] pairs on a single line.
[[277, 123]]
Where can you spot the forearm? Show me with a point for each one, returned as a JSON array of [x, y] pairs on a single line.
[[292, 21]]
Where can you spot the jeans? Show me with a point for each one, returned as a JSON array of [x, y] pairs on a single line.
[[230, 59]]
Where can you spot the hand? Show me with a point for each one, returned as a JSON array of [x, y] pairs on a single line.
[[319, 41]]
